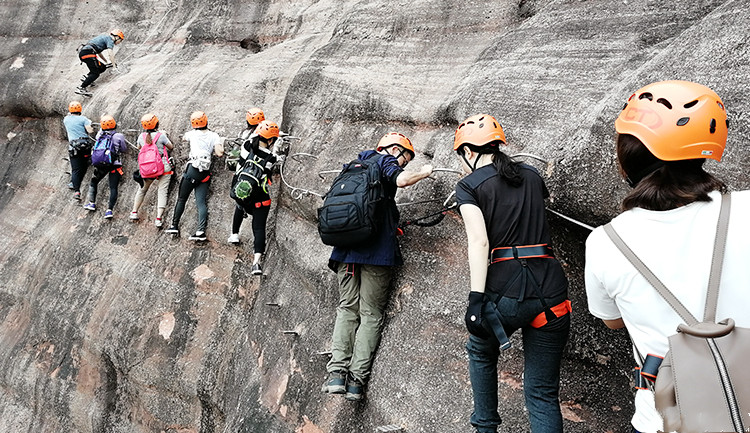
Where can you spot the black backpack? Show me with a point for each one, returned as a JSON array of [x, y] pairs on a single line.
[[250, 183], [353, 208]]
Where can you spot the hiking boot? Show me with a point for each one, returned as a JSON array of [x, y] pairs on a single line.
[[70, 186], [336, 383], [257, 269], [133, 216], [90, 206], [198, 236], [83, 91], [108, 214], [77, 195], [234, 238], [158, 223], [355, 390], [172, 230]]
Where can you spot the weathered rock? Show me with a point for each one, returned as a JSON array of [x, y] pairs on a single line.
[[109, 326]]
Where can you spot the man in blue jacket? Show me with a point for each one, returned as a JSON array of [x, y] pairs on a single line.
[[98, 55], [364, 275]]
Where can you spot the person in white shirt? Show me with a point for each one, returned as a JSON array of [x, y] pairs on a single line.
[[203, 144], [665, 133]]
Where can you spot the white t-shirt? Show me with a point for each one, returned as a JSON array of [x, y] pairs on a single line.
[[677, 245], [202, 143]]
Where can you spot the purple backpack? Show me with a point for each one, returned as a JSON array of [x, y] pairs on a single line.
[[104, 151]]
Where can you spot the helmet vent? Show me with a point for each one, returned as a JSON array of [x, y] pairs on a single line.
[[625, 106], [646, 95], [683, 121], [664, 102], [713, 126], [691, 104], [720, 105]]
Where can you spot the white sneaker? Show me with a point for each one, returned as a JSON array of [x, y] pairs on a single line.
[[158, 222], [234, 238], [133, 216]]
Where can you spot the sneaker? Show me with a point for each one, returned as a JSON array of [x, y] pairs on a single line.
[[336, 383], [133, 216], [355, 390], [257, 270], [90, 206], [108, 214], [234, 238], [198, 236], [158, 223], [172, 230], [70, 186], [82, 91], [77, 195]]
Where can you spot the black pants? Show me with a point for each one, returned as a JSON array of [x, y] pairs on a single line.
[[260, 217], [198, 181], [115, 174], [79, 164], [95, 66]]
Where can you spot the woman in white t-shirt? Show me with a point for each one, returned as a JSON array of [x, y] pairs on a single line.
[[203, 144], [665, 132]]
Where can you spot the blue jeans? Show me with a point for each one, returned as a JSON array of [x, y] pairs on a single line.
[[542, 349]]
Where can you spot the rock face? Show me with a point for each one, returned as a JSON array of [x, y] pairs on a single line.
[[109, 326]]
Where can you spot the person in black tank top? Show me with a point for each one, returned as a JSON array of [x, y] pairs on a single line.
[[515, 280]]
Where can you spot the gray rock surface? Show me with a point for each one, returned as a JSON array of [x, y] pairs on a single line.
[[109, 326]]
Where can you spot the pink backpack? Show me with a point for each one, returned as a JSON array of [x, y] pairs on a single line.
[[150, 162]]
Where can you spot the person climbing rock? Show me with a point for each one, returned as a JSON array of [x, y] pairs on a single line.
[[98, 55], [155, 146], [515, 281], [364, 274], [78, 128], [106, 157], [203, 144], [665, 133], [250, 187]]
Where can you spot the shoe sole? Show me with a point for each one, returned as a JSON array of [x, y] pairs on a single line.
[[335, 389], [256, 273], [192, 238], [353, 397]]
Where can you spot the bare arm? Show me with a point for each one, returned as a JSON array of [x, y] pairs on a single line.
[[614, 324], [478, 248], [89, 129], [219, 147], [407, 178]]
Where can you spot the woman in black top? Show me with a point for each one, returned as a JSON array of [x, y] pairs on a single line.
[[523, 287]]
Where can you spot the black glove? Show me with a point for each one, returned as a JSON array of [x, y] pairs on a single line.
[[473, 316]]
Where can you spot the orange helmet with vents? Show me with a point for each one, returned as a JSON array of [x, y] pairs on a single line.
[[198, 119], [118, 33], [398, 139], [478, 130], [267, 129], [676, 120], [107, 122], [149, 121], [75, 107], [254, 116]]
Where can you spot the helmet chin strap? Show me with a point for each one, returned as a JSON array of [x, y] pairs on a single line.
[[473, 167]]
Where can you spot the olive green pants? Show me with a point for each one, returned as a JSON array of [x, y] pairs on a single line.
[[363, 295]]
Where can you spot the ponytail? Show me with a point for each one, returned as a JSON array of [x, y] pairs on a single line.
[[507, 169]]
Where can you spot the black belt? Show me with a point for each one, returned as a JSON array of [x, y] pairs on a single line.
[[501, 254]]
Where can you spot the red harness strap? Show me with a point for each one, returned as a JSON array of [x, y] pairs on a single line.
[[561, 309], [263, 203], [88, 56], [502, 254]]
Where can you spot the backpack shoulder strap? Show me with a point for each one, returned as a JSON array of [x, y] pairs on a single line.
[[649, 276], [717, 262]]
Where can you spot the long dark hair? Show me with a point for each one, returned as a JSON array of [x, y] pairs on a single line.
[[662, 185], [508, 169]]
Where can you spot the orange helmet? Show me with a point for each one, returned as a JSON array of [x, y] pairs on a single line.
[[149, 121], [107, 122], [397, 139], [198, 119], [118, 33], [478, 130], [676, 120], [254, 116], [267, 129], [75, 107]]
